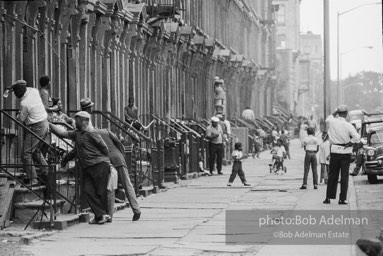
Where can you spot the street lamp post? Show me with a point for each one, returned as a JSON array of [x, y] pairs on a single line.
[[337, 52]]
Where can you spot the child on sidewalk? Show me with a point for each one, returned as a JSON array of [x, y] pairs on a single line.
[[311, 146], [237, 165], [324, 158], [279, 152]]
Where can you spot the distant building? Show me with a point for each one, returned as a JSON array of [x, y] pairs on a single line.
[[310, 93], [287, 53]]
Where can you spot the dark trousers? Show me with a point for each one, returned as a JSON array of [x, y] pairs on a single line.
[[338, 163], [237, 169], [95, 187], [310, 160], [32, 149], [215, 151]]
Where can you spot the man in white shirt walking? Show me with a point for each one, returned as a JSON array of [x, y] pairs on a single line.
[[214, 134], [339, 132], [34, 116]]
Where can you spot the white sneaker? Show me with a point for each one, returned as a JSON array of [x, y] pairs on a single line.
[[229, 184]]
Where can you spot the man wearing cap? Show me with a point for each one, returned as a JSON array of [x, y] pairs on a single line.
[[214, 134], [92, 153], [339, 132], [33, 115]]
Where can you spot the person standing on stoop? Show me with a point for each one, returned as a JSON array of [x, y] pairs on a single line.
[[34, 116], [339, 132], [311, 146], [237, 166]]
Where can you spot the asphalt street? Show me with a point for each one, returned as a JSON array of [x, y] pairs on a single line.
[[190, 219]]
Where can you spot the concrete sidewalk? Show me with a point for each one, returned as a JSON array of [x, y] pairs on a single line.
[[190, 219]]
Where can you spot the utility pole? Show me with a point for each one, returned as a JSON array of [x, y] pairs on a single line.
[[326, 78]]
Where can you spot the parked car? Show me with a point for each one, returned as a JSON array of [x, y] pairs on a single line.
[[374, 154]]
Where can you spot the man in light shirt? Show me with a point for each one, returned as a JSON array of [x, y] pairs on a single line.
[[311, 146], [214, 134], [34, 116], [339, 131]]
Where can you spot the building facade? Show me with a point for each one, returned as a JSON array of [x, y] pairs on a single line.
[[287, 53], [311, 84], [165, 54]]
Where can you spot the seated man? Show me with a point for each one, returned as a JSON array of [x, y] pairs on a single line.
[[131, 115]]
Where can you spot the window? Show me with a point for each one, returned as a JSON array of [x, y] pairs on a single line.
[[281, 41], [281, 16]]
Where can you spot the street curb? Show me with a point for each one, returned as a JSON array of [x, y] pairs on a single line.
[[352, 195], [28, 239]]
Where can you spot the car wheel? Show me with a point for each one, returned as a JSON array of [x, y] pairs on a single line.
[[372, 178]]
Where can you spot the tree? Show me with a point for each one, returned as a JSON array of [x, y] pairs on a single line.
[[363, 91]]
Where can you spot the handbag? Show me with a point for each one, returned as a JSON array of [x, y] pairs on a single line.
[[113, 178]]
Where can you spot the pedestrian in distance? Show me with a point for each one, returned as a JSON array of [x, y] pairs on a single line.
[[278, 152], [286, 142], [324, 158], [214, 134], [339, 132], [311, 147], [237, 166]]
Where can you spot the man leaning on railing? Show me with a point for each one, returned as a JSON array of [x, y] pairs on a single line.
[[33, 115]]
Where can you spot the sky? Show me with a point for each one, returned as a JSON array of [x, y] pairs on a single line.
[[358, 29]]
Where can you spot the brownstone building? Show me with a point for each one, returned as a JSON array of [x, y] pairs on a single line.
[[164, 53]]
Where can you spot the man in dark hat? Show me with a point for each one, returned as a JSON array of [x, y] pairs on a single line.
[[86, 105], [33, 115], [339, 132]]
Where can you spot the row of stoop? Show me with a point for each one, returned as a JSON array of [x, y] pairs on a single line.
[[23, 204]]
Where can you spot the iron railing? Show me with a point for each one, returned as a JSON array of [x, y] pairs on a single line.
[[15, 136]]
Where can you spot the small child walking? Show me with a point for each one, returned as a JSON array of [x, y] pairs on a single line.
[[324, 158], [311, 146], [237, 165]]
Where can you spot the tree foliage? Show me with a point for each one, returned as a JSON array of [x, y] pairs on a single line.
[[364, 91]]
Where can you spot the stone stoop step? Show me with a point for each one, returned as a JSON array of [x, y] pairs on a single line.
[[64, 221], [24, 211], [23, 194], [190, 176]]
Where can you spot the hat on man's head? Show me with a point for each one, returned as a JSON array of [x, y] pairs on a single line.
[[82, 114], [215, 119], [86, 103], [342, 108], [17, 83]]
